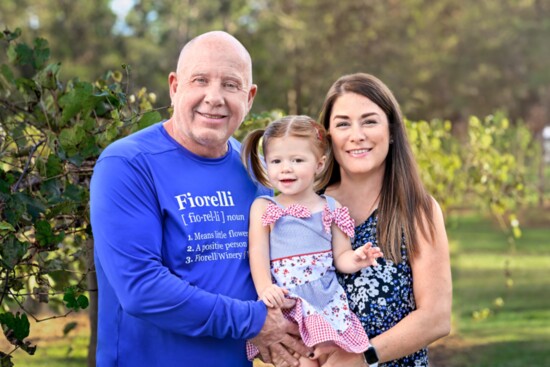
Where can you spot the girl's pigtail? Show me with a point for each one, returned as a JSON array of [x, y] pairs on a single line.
[[251, 157]]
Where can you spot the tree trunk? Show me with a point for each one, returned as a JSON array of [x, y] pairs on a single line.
[[92, 312]]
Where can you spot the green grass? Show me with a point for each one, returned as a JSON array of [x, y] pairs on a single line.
[[513, 335], [518, 332], [68, 352]]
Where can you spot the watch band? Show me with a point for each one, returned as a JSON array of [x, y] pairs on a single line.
[[371, 356]]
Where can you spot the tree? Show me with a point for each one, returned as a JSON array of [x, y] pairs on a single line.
[[50, 136]]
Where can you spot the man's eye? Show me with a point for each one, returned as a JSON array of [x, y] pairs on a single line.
[[232, 86]]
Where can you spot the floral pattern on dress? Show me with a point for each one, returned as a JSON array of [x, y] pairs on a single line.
[[303, 269], [382, 296]]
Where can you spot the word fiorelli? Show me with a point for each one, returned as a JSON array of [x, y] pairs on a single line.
[[222, 198]]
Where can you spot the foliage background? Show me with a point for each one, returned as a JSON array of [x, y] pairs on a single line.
[[444, 59]]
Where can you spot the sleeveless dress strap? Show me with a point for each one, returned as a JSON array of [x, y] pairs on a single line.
[[331, 202], [270, 198]]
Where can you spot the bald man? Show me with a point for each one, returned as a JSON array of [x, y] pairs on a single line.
[[169, 211]]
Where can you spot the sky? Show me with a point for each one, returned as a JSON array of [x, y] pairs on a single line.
[[121, 8]]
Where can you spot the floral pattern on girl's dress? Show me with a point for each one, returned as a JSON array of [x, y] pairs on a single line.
[[382, 296], [303, 269]]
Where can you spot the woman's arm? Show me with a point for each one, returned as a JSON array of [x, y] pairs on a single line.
[[432, 289]]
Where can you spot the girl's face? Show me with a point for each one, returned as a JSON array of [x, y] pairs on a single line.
[[292, 164], [360, 135]]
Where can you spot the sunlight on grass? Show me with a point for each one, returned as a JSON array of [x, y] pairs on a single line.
[[515, 330], [56, 354]]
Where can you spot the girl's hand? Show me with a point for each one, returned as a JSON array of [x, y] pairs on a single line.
[[274, 296], [366, 255]]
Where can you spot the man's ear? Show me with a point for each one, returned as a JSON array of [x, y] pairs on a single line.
[[172, 84], [251, 95]]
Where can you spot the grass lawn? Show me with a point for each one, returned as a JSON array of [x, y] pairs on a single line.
[[54, 349], [515, 334], [486, 331]]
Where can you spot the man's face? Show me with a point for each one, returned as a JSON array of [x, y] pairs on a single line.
[[211, 94]]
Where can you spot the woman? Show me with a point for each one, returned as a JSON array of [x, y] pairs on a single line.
[[405, 303]]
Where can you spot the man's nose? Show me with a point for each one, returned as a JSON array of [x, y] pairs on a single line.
[[214, 95]]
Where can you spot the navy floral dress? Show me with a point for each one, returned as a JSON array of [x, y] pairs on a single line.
[[381, 296]]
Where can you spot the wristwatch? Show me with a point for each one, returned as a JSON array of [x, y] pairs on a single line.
[[371, 357]]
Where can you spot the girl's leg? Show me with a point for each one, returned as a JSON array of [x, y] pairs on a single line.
[[306, 362], [339, 358]]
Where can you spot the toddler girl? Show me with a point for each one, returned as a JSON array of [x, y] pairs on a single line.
[[297, 238]]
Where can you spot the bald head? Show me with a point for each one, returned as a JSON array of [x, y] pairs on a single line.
[[217, 40]]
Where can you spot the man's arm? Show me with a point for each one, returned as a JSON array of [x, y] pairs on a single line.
[[127, 226]]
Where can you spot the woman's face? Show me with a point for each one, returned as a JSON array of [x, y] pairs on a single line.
[[360, 135]]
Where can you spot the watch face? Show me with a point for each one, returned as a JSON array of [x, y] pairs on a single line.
[[371, 356]]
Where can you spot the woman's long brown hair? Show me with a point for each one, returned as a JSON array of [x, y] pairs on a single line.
[[404, 203]]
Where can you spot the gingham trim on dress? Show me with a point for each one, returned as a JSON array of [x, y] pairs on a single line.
[[273, 212], [315, 329], [340, 217]]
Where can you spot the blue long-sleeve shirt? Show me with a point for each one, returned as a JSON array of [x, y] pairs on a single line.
[[170, 231]]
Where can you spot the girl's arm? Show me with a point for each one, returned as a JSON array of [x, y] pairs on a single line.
[[258, 250], [432, 289], [346, 260]]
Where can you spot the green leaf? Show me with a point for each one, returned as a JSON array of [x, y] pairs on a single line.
[[79, 100], [18, 325], [82, 301], [44, 234], [10, 36], [148, 119], [54, 166], [70, 326], [70, 298], [20, 54], [5, 360], [5, 227], [12, 251], [41, 53], [48, 77], [70, 137], [7, 73]]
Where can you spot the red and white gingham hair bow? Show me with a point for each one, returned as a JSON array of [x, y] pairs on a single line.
[[274, 212], [340, 217]]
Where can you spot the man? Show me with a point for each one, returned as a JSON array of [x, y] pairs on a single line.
[[169, 211]]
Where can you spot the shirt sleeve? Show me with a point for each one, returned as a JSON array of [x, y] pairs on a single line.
[[127, 228]]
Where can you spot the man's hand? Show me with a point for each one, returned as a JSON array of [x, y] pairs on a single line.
[[280, 338]]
